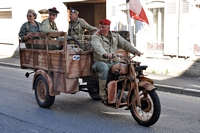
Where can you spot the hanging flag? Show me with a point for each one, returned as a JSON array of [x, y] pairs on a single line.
[[136, 11]]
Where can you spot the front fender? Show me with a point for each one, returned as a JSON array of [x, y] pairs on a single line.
[[148, 86], [48, 79]]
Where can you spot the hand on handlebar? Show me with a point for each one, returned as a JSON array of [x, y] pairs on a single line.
[[138, 53], [109, 56]]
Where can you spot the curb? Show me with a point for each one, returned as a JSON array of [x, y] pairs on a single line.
[[178, 90], [9, 65]]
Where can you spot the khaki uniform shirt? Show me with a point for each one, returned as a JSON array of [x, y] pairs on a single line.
[[48, 26], [76, 29], [103, 45]]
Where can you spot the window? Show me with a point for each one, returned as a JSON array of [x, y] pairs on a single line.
[[157, 24], [5, 14]]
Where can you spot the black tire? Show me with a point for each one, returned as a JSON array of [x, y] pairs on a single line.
[[42, 96], [75, 41], [93, 88], [149, 112], [93, 92]]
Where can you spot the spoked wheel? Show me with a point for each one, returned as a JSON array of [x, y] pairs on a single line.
[[42, 96], [149, 112]]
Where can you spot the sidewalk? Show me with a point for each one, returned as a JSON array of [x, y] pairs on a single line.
[[180, 85]]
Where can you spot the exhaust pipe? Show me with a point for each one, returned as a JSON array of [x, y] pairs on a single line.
[[27, 74]]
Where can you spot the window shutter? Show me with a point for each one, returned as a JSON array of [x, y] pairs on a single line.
[[171, 27], [185, 41]]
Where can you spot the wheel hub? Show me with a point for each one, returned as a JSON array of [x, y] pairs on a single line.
[[41, 91], [145, 104]]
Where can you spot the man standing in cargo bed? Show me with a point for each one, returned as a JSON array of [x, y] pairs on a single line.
[[77, 25]]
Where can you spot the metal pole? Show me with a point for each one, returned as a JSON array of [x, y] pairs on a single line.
[[179, 8], [129, 23]]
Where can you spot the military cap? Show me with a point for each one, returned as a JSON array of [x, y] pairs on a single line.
[[74, 11], [105, 22], [53, 10]]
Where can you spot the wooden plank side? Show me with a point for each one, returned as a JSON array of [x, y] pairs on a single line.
[[59, 67], [27, 54], [57, 58], [74, 74], [72, 85], [41, 59], [56, 34], [26, 58], [56, 63], [39, 34], [56, 42], [59, 82], [27, 62], [54, 60], [81, 52], [56, 55], [82, 65], [43, 42], [40, 67], [78, 62]]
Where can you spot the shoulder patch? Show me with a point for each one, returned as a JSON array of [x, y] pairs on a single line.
[[97, 33], [85, 22]]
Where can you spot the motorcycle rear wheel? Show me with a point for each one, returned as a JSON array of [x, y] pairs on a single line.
[[149, 112], [93, 88]]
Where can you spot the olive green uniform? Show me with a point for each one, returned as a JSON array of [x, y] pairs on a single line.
[[110, 44], [76, 29], [47, 27], [106, 45]]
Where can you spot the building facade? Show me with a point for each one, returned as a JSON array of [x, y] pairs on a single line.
[[172, 33]]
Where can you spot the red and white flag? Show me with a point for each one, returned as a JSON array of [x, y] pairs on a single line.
[[136, 11]]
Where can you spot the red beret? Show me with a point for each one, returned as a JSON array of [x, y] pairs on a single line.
[[105, 22]]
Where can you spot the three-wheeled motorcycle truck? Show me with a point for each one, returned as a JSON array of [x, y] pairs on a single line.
[[59, 71]]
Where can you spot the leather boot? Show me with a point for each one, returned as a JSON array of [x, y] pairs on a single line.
[[102, 90]]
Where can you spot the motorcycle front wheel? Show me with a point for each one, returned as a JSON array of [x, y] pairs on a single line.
[[149, 112]]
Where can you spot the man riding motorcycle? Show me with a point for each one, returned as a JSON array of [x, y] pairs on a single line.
[[105, 43]]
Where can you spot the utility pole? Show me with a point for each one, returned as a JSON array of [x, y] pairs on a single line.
[[179, 12]]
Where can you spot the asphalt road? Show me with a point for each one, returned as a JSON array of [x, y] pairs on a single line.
[[78, 113]]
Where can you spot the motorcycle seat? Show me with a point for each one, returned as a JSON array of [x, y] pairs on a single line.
[[140, 68]]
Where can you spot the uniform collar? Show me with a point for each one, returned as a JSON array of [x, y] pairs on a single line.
[[77, 20], [107, 38]]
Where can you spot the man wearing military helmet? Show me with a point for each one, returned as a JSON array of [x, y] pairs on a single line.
[[105, 44], [77, 25]]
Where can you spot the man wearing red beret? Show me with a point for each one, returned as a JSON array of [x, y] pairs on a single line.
[[105, 43]]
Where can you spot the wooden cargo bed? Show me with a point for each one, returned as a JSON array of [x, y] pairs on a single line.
[[71, 63]]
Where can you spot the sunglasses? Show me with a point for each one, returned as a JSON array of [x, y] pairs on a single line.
[[29, 16]]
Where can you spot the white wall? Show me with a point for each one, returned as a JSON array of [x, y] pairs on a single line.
[[19, 11]]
